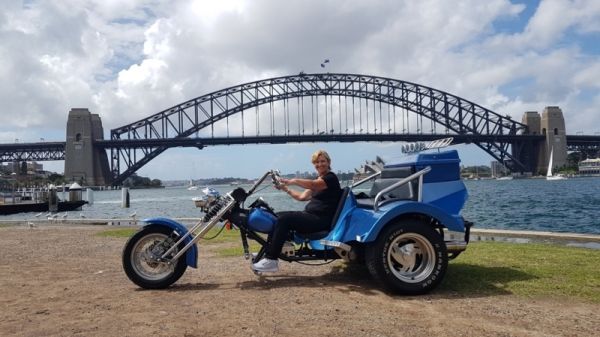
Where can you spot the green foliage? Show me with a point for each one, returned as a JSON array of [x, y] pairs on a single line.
[[137, 181], [56, 179], [118, 233], [481, 170]]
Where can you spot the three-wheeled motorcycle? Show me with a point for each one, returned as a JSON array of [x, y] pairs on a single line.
[[403, 229]]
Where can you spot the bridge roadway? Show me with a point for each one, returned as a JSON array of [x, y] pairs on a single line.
[[47, 151]]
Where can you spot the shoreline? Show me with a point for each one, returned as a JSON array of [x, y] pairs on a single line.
[[584, 240]]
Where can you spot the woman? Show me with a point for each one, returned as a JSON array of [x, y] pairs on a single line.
[[323, 194]]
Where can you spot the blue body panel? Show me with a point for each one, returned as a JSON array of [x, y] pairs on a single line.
[[443, 196], [191, 256], [341, 226]]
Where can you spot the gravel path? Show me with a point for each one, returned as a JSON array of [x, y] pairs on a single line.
[[67, 281]]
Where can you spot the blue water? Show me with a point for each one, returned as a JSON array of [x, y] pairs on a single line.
[[571, 205]]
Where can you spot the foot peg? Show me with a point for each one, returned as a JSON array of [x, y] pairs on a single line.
[[336, 244]]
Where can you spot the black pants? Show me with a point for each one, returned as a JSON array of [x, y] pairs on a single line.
[[301, 222]]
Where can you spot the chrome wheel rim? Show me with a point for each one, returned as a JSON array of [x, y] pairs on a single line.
[[411, 257], [145, 252]]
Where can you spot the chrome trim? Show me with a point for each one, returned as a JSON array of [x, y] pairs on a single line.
[[366, 179], [336, 244], [456, 246], [204, 228]]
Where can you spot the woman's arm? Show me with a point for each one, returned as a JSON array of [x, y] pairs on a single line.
[[300, 196], [315, 185]]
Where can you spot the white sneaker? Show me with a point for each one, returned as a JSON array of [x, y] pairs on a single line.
[[266, 266]]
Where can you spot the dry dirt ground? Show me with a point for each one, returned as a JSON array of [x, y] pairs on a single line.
[[67, 281]]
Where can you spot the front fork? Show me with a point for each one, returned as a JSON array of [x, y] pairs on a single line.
[[201, 227]]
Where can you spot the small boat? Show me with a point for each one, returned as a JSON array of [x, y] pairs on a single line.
[[505, 178], [549, 175], [24, 207], [209, 195], [191, 186]]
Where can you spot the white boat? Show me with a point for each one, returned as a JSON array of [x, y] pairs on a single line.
[[209, 195], [549, 175], [505, 178], [191, 186]]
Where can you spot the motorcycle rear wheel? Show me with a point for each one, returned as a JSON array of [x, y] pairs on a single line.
[[139, 258]]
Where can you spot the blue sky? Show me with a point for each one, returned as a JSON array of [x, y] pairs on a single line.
[[125, 60]]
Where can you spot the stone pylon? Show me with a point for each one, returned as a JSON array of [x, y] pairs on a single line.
[[551, 124], [85, 163]]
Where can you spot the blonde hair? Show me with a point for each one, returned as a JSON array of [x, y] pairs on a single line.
[[323, 153]]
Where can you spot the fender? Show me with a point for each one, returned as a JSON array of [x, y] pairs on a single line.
[[191, 256], [393, 210]]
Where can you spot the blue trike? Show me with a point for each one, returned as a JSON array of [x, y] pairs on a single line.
[[399, 229]]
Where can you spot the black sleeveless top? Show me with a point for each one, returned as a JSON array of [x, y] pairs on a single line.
[[324, 203]]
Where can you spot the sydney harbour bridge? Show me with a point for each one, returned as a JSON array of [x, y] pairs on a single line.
[[306, 108]]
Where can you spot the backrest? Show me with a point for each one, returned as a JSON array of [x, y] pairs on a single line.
[[397, 172], [340, 206], [405, 191]]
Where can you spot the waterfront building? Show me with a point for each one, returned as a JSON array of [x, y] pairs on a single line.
[[589, 166], [498, 170], [32, 168]]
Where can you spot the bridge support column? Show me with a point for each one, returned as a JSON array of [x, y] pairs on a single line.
[[552, 125], [83, 162], [531, 154]]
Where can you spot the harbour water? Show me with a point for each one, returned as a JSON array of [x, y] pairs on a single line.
[[571, 205]]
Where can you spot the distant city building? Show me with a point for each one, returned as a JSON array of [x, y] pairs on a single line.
[[15, 167], [498, 170], [34, 168], [589, 166]]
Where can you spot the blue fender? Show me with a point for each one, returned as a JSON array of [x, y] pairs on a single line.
[[191, 256], [366, 224]]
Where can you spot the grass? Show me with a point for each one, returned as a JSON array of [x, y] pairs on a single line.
[[117, 233], [530, 270], [489, 268], [224, 236]]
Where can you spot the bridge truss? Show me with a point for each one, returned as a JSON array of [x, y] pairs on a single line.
[[585, 144], [18, 152], [311, 108]]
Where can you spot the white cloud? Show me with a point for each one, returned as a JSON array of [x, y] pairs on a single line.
[[128, 60]]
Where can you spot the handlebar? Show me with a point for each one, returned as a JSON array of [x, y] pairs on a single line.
[[276, 178]]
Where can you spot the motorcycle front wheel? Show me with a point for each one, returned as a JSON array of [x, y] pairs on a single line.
[[140, 258]]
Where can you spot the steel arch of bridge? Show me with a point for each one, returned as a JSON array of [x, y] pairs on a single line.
[[467, 120]]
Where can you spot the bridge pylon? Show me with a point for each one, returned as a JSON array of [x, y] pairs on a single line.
[[550, 124], [85, 163]]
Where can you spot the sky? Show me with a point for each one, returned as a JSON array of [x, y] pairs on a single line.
[[126, 60]]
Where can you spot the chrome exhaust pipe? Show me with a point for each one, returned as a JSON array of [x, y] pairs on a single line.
[[456, 246]]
